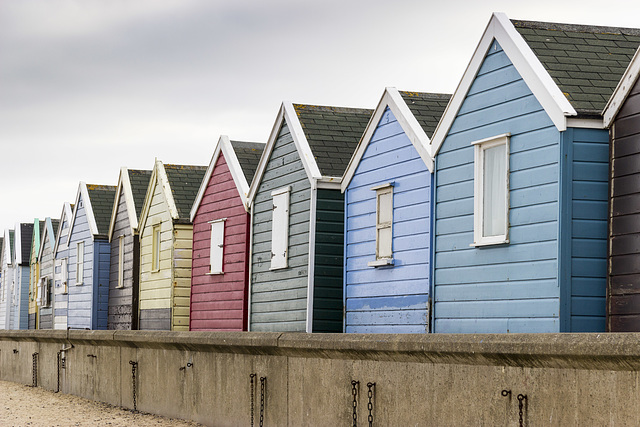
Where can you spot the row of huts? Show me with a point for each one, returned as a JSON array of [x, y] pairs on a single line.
[[512, 205]]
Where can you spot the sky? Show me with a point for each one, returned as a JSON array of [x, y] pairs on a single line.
[[89, 86]]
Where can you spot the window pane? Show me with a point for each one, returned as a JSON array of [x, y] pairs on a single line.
[[216, 249], [280, 230], [384, 242], [495, 191], [385, 207]]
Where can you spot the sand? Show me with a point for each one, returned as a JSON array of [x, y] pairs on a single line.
[[21, 405]]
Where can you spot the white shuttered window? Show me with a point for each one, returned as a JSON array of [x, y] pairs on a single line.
[[280, 228], [121, 262], [491, 191], [155, 248], [80, 263], [216, 250], [384, 225]]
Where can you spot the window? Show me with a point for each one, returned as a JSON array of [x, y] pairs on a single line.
[[216, 250], [155, 249], [491, 191], [43, 298], [280, 228], [384, 225], [65, 276], [121, 262], [80, 263]]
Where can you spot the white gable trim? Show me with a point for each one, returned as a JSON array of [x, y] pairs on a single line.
[[286, 113], [8, 258], [529, 67], [93, 227], [17, 244], [48, 231], [123, 184], [65, 215], [391, 98], [585, 123], [621, 93], [158, 177], [239, 179]]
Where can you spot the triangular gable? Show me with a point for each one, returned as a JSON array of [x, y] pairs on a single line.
[[36, 239], [124, 185], [527, 64], [620, 94], [48, 232], [158, 177], [7, 256], [84, 193], [288, 114], [391, 98], [225, 147], [65, 215]]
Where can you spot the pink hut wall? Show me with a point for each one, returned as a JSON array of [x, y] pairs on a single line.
[[219, 302]]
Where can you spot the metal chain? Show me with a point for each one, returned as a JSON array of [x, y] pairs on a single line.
[[371, 387], [521, 399], [134, 365], [263, 385], [354, 393], [59, 357], [252, 376], [34, 372]]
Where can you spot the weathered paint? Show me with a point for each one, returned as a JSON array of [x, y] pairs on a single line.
[[395, 298], [279, 297], [623, 304], [218, 301], [61, 255], [46, 261], [34, 275]]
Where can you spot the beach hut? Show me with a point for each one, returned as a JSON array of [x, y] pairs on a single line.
[[166, 239], [61, 269], [298, 219], [44, 287], [34, 275], [521, 180], [622, 116], [124, 276], [89, 257], [18, 299], [6, 276], [220, 217], [388, 189]]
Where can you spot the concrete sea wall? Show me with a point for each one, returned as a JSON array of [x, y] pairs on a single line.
[[568, 379]]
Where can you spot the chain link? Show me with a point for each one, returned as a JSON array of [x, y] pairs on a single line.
[[134, 366], [34, 370], [371, 387], [252, 376], [354, 393], [521, 399], [263, 385], [59, 357]]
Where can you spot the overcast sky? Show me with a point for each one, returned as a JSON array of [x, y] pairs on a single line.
[[88, 86]]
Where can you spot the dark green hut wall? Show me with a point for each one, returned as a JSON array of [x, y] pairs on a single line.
[[329, 247]]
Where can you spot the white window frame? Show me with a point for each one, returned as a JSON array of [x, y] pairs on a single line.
[[216, 246], [156, 240], [478, 191], [79, 263], [120, 262], [381, 261], [280, 228]]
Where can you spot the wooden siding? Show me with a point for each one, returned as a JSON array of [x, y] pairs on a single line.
[[156, 286], [504, 288], [389, 299], [588, 229], [279, 297], [623, 304], [328, 262], [218, 301], [121, 302], [21, 313], [34, 276], [61, 299], [46, 270]]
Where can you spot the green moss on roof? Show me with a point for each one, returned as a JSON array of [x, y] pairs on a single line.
[[184, 181], [102, 197], [586, 62], [139, 180], [427, 108], [333, 134], [248, 154]]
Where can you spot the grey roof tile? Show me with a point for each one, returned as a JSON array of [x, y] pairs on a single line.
[[26, 238], [102, 197], [184, 181], [333, 134], [427, 108], [139, 180], [55, 223], [248, 154], [594, 57]]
